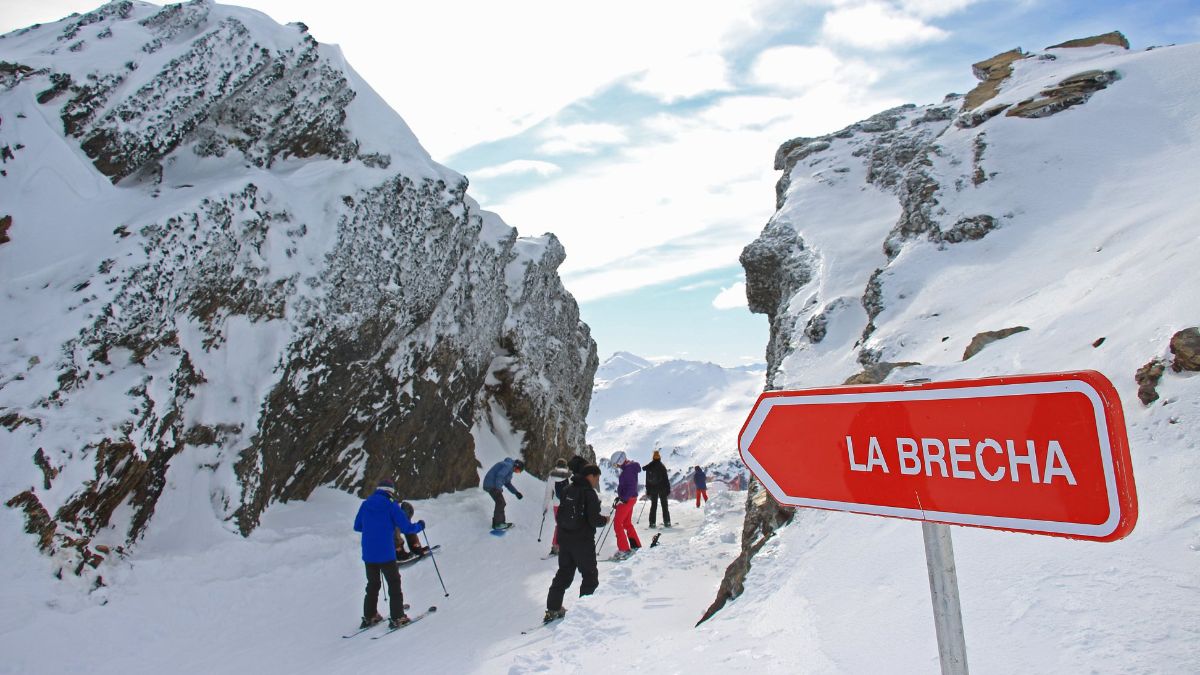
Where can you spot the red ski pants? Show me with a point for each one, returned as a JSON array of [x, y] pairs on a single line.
[[700, 493], [623, 526], [554, 539]]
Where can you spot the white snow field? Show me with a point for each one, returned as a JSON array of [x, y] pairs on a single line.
[[691, 410], [197, 599]]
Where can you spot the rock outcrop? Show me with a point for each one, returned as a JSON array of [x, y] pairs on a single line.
[[1185, 347], [273, 287], [854, 299]]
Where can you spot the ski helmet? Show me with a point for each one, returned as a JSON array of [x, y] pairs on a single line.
[[618, 458], [519, 465]]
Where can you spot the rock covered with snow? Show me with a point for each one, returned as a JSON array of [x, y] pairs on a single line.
[[238, 274], [1061, 235]]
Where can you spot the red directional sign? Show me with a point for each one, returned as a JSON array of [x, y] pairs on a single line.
[[1045, 454]]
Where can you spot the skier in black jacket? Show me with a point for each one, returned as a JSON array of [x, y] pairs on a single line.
[[658, 489], [578, 517]]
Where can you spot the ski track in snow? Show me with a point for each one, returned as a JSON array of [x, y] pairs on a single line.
[[281, 600]]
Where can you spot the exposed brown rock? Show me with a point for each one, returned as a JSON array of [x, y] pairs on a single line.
[[37, 519], [878, 372], [1072, 91], [49, 471], [1147, 378], [1185, 345], [991, 72], [987, 337], [1115, 38], [5, 223]]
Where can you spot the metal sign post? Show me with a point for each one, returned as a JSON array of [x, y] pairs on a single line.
[[943, 589]]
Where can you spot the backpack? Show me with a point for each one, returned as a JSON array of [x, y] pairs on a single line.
[[572, 513], [560, 487]]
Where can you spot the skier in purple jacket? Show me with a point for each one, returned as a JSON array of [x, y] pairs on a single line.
[[627, 493]]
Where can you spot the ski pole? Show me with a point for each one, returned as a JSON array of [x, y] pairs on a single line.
[[542, 525], [641, 511], [604, 533], [435, 565]]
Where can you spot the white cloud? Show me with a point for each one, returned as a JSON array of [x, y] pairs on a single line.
[[931, 9], [517, 167], [683, 78], [798, 68], [877, 26], [699, 284], [733, 297], [587, 138]]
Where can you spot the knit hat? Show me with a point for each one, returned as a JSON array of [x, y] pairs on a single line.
[[519, 465], [387, 485], [618, 458], [657, 455]]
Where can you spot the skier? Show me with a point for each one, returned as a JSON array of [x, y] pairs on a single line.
[[577, 519], [701, 482], [377, 518], [658, 489], [500, 476], [415, 549], [559, 479], [627, 492]]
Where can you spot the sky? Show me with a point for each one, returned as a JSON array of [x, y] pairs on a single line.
[[643, 133]]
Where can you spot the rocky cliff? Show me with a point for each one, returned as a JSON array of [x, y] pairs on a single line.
[[229, 268], [1011, 230]]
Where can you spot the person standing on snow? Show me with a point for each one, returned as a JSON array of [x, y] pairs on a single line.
[[658, 489], [559, 480], [627, 492], [378, 517], [577, 518], [701, 482], [500, 476]]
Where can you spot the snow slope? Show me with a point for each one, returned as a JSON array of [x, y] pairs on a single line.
[[1095, 248], [690, 410]]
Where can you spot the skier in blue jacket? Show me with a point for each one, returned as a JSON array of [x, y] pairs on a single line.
[[500, 476], [378, 517]]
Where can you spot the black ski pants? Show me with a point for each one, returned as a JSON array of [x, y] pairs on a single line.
[[391, 573], [655, 498], [576, 551], [498, 512]]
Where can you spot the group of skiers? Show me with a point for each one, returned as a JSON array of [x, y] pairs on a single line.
[[572, 497]]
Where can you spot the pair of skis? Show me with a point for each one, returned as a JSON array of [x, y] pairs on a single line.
[[411, 621]]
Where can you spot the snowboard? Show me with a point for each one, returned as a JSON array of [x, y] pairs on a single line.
[[412, 620], [412, 561]]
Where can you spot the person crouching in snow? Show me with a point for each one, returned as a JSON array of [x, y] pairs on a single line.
[[577, 518], [627, 492], [559, 480], [415, 549], [378, 516], [500, 476]]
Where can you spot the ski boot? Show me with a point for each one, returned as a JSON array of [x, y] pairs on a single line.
[[369, 621], [399, 621], [554, 615]]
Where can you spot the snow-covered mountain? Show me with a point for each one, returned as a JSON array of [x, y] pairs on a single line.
[[690, 411], [1047, 221], [232, 275]]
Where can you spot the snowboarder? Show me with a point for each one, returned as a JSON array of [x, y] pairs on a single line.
[[658, 489], [378, 517], [627, 493], [577, 519], [701, 482], [559, 480], [500, 476], [415, 549]]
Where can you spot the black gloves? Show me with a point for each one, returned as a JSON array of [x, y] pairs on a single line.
[[605, 519], [520, 496], [421, 524]]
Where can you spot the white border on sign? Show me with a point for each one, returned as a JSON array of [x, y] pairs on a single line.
[[1031, 388]]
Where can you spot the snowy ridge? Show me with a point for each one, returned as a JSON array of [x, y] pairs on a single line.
[[690, 411], [240, 278], [1034, 229]]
